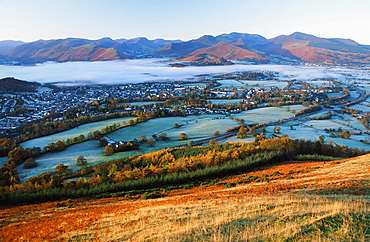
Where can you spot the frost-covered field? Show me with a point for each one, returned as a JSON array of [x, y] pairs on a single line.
[[69, 134], [268, 114], [3, 160], [334, 94], [196, 127], [278, 84], [228, 83], [225, 101], [363, 108]]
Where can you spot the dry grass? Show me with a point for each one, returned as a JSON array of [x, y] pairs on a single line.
[[309, 201], [267, 218]]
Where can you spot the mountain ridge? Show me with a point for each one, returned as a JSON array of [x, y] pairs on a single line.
[[284, 49]]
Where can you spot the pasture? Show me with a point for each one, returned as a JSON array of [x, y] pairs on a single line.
[[196, 128], [70, 134]]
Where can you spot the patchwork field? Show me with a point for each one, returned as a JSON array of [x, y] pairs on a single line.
[[69, 134], [196, 127], [302, 201], [228, 83]]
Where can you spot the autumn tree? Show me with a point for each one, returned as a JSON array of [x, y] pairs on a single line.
[[346, 134], [176, 125], [109, 150], [143, 138], [277, 130], [29, 163], [81, 160], [61, 168], [252, 132], [163, 137], [151, 142], [242, 134], [213, 142], [183, 136]]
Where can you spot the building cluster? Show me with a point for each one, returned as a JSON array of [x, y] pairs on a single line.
[[16, 109]]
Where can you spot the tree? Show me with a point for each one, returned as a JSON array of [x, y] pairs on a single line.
[[109, 150], [176, 125], [81, 160], [61, 168], [242, 134], [143, 138], [277, 130], [30, 163], [163, 137], [151, 142], [252, 132], [103, 142], [213, 142], [321, 138], [346, 134], [183, 136], [317, 147], [217, 133]]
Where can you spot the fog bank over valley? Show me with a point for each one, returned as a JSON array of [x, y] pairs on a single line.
[[145, 70]]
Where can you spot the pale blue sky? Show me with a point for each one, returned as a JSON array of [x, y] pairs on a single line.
[[29, 20]]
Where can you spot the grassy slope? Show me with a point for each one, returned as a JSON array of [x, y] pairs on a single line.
[[305, 201]]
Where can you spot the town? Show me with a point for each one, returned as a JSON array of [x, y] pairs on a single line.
[[21, 108]]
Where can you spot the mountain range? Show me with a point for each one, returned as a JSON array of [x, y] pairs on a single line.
[[235, 47]]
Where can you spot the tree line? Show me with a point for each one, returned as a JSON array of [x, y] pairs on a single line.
[[205, 161]]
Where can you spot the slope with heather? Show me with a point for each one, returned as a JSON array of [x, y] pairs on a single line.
[[296, 200]]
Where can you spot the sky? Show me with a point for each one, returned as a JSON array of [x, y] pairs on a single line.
[[30, 20]]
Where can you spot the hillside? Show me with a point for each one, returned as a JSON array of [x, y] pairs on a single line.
[[12, 85], [203, 59], [6, 45], [294, 200], [229, 52], [310, 48]]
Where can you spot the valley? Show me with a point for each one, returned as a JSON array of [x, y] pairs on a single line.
[[184, 121], [152, 141], [201, 108]]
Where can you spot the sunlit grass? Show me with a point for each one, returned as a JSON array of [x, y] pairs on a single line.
[[267, 218]]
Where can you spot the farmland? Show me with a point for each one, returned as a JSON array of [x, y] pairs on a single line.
[[196, 127]]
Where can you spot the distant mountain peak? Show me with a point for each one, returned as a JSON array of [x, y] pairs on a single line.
[[228, 51], [284, 49]]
